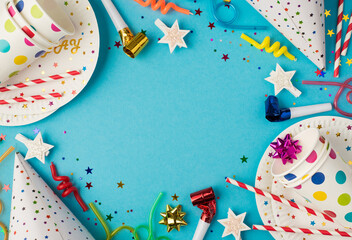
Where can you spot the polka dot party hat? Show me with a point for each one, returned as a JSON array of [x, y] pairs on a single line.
[[301, 22], [36, 212]]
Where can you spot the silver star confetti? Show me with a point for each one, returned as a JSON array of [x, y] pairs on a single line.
[[281, 80], [36, 148], [173, 36], [234, 224]]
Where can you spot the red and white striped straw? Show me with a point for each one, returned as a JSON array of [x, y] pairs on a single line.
[[338, 39], [31, 98], [279, 199], [302, 230], [40, 80], [347, 38]]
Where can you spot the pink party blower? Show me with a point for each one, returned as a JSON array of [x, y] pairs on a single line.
[[205, 200]]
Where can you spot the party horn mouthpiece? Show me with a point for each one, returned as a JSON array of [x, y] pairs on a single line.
[[274, 113]]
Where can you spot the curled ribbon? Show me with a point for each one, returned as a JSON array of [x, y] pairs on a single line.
[[164, 8], [66, 185], [149, 228], [338, 94], [275, 48]]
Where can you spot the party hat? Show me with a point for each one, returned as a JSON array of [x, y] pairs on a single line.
[[36, 212], [301, 22]]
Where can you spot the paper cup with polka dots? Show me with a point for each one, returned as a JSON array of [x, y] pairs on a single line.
[[27, 28], [328, 185], [313, 148], [17, 50], [47, 17]]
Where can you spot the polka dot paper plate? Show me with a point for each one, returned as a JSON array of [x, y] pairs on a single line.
[[338, 131], [77, 52]]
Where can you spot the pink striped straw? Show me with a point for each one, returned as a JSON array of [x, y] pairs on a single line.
[[279, 199], [31, 98], [338, 39], [302, 230], [40, 81], [347, 38]]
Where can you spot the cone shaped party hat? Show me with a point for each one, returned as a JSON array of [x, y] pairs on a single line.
[[301, 22], [36, 212]]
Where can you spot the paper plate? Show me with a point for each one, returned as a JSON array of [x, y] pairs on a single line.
[[339, 132], [77, 52], [19, 120]]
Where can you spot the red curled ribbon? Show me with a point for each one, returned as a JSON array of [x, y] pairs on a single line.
[[338, 94], [67, 186]]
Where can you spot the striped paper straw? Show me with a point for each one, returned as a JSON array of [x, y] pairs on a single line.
[[31, 98], [347, 38], [338, 39], [279, 199], [40, 80], [302, 230]]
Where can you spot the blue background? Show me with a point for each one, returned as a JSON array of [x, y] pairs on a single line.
[[172, 123]]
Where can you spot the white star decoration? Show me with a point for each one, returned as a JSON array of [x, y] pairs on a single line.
[[281, 80], [234, 224], [173, 36], [36, 148]]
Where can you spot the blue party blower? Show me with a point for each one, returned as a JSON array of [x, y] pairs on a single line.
[[274, 113]]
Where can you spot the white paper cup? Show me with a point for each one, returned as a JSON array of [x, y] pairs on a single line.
[[27, 28], [328, 185], [47, 17], [17, 50], [312, 151]]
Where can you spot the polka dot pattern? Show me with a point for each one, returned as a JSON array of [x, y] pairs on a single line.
[[330, 213], [348, 217], [320, 196], [340, 177], [332, 154], [19, 60], [290, 176], [55, 28], [312, 157], [4, 46], [318, 178], [20, 6], [9, 26], [36, 12], [344, 199]]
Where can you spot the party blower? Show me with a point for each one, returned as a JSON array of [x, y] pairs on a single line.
[[205, 200], [132, 45], [274, 113]]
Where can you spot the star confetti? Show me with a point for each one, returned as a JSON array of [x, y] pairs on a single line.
[[36, 148], [211, 26], [175, 197], [281, 80], [2, 137], [198, 12], [120, 184], [173, 36], [89, 185], [244, 159], [234, 224], [6, 187], [109, 217], [327, 13], [225, 57], [89, 170], [173, 218], [118, 44]]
